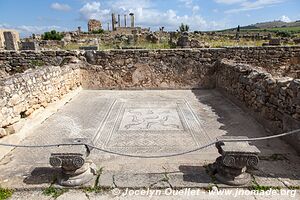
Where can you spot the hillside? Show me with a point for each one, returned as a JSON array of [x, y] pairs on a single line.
[[273, 24]]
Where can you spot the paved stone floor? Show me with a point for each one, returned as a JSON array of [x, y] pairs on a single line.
[[167, 194], [148, 123]]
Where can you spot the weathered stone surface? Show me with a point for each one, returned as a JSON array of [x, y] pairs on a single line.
[[236, 158], [2, 132], [26, 92], [273, 99], [94, 25]]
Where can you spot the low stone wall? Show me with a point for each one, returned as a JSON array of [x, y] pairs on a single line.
[[279, 61], [23, 93], [275, 102], [12, 62], [146, 69]]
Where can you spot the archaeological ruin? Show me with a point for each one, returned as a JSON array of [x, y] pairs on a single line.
[[9, 39], [94, 25], [143, 103]]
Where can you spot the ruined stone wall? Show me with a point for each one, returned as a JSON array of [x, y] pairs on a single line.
[[279, 61], [12, 62], [275, 102], [179, 69], [149, 69], [22, 93]]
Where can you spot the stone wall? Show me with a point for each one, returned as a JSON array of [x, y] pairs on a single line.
[[12, 62], [275, 102], [279, 61], [23, 93], [145, 69]]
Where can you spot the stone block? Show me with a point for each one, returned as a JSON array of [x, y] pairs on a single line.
[[29, 46], [89, 48], [275, 42]]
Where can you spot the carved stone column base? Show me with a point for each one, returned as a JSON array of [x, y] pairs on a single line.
[[79, 177], [236, 157]]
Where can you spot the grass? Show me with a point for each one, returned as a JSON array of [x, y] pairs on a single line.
[[264, 188], [217, 42], [257, 187], [290, 29], [96, 188], [294, 187], [54, 192], [37, 63], [5, 193]]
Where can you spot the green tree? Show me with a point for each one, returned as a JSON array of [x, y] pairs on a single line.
[[99, 31], [184, 27], [52, 35]]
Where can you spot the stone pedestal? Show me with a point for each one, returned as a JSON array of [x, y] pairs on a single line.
[[76, 169], [236, 157]]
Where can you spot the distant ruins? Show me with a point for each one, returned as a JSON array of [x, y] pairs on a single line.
[[117, 27], [94, 25]]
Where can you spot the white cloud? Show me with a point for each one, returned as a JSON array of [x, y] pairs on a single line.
[[285, 18], [253, 5], [195, 9], [229, 1], [93, 10], [187, 3], [246, 5], [60, 7], [215, 10], [147, 15], [26, 30]]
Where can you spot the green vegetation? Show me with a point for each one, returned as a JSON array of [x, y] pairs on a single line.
[[72, 46], [100, 31], [263, 187], [52, 35], [96, 188], [5, 193], [54, 192], [218, 42], [257, 187], [184, 27], [294, 187], [37, 63]]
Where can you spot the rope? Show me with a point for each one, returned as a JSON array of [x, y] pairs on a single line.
[[154, 156]]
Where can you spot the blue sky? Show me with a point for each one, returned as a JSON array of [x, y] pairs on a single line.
[[37, 16]]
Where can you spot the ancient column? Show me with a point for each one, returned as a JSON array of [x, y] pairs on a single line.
[[125, 24], [119, 21], [236, 161], [113, 21], [132, 19]]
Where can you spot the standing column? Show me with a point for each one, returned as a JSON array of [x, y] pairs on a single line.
[[125, 24], [119, 21], [132, 20], [113, 21]]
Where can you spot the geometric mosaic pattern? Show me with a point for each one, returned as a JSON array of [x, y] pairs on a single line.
[[150, 126]]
